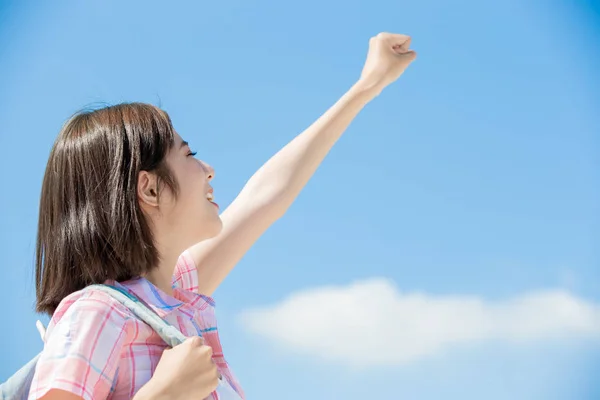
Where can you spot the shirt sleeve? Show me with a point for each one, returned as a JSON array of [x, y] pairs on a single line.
[[83, 350], [185, 275]]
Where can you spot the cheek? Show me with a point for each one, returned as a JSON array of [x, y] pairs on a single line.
[[192, 189], [189, 176]]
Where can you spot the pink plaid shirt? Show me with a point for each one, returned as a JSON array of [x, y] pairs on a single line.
[[97, 349]]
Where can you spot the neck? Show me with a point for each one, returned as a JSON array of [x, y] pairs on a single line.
[[162, 275]]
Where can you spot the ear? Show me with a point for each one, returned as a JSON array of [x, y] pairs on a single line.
[[147, 189]]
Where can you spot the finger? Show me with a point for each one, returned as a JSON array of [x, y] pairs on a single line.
[[195, 341], [207, 351], [395, 39], [403, 40], [402, 47], [215, 380]]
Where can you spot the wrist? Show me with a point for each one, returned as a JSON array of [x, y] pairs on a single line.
[[150, 391], [367, 88]]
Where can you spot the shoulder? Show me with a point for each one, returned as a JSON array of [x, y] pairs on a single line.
[[91, 307], [185, 275], [83, 347]]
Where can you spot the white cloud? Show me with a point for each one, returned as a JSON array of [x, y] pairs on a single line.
[[372, 323]]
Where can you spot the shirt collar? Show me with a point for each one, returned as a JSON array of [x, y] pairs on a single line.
[[157, 300]]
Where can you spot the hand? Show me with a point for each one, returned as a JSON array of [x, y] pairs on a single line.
[[389, 55], [186, 371]]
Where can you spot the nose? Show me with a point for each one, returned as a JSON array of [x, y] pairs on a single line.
[[210, 172]]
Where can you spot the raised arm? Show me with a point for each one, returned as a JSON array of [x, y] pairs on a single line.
[[274, 187]]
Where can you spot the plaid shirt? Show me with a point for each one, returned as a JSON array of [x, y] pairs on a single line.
[[97, 349]]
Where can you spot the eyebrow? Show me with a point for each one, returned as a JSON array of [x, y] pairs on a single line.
[[183, 144]]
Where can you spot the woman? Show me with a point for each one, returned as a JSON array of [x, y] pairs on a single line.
[[124, 202]]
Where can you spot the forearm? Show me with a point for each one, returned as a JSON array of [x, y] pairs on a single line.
[[279, 181]]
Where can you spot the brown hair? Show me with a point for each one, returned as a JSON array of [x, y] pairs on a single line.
[[91, 227]]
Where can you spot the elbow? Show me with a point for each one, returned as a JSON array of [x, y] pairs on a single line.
[[275, 205]]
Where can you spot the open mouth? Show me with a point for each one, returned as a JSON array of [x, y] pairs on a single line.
[[210, 197]]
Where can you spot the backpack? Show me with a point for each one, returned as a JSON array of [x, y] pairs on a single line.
[[18, 385]]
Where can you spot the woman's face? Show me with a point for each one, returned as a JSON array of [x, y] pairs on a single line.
[[191, 216]]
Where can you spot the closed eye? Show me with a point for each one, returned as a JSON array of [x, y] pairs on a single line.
[[192, 153]]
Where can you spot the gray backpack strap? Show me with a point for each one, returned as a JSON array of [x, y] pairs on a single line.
[[171, 335], [18, 385]]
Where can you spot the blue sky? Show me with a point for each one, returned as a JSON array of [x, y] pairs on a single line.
[[464, 196]]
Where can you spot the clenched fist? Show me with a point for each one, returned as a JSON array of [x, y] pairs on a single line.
[[389, 55], [184, 372]]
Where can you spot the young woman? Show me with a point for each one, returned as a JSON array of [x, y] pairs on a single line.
[[124, 202]]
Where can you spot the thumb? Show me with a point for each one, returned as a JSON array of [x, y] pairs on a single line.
[[409, 56], [194, 341]]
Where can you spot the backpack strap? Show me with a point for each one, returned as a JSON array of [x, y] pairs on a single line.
[[18, 385], [171, 335]]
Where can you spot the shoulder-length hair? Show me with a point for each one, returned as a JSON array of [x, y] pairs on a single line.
[[91, 227]]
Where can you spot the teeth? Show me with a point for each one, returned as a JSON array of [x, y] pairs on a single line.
[[209, 196]]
